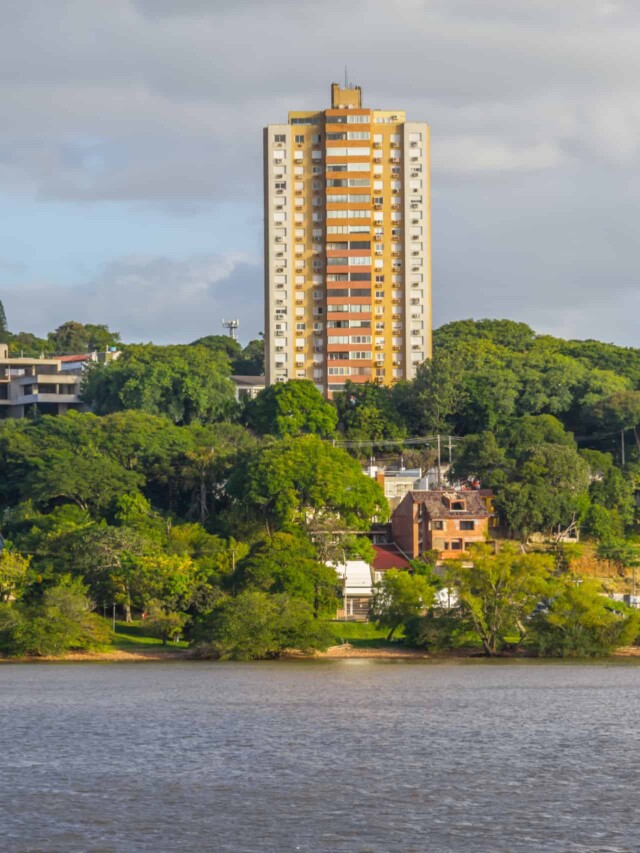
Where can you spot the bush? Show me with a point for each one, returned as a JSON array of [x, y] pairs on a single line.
[[439, 631], [580, 622], [62, 622], [256, 625], [164, 624]]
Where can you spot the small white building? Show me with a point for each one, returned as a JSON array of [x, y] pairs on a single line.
[[357, 588], [248, 387]]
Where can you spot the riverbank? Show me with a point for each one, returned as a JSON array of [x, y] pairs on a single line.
[[344, 651], [340, 652]]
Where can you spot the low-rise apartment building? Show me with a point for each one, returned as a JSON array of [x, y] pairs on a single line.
[[50, 384], [446, 521]]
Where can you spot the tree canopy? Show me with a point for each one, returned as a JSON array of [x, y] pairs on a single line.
[[184, 383], [291, 408]]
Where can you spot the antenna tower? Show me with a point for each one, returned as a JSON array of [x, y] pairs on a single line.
[[231, 326]]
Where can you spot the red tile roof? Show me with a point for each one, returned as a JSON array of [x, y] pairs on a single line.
[[389, 557], [82, 357]]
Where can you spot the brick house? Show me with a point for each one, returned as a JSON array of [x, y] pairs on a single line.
[[444, 520]]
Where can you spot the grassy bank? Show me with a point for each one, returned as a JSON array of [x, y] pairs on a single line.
[[130, 636], [364, 635]]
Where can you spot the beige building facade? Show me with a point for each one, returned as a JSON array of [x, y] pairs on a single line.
[[50, 385], [347, 245]]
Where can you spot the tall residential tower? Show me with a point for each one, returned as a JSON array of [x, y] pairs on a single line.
[[347, 245]]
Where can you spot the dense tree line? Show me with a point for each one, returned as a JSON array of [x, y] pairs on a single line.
[[170, 498]]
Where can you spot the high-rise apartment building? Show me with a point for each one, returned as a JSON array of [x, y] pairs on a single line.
[[347, 245]]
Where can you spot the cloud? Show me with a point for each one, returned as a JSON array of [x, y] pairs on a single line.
[[164, 99], [469, 155], [159, 105], [167, 300]]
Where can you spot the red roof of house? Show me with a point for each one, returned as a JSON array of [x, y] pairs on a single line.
[[82, 357], [389, 557]]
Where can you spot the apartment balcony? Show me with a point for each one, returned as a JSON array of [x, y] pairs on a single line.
[[30, 399]]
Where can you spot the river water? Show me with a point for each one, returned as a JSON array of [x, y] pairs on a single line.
[[320, 756]]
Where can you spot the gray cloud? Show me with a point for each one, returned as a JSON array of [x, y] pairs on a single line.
[[534, 109], [147, 298]]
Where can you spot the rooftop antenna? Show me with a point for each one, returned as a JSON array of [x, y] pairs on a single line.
[[231, 326]]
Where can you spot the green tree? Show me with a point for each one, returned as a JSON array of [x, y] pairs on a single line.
[[498, 592], [250, 362], [183, 383], [400, 597], [14, 570], [92, 483], [55, 459], [256, 625], [284, 563], [74, 338], [105, 556], [162, 623], [27, 344], [505, 333], [620, 411], [551, 494], [224, 344], [63, 621], [367, 412], [4, 328], [298, 480], [580, 622], [290, 408], [429, 403]]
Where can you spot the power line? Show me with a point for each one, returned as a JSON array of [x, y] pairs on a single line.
[[399, 442]]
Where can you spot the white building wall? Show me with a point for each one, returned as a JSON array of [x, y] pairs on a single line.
[[417, 245]]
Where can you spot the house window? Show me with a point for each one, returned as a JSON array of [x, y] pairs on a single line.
[[467, 525], [438, 525], [457, 506], [456, 545], [280, 137], [299, 137]]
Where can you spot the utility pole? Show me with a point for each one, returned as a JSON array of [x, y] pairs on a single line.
[[439, 464]]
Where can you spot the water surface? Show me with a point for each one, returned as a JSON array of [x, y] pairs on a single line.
[[321, 756]]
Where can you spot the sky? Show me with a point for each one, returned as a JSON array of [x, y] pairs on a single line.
[[131, 153]]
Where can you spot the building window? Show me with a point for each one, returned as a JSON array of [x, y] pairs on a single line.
[[456, 545], [438, 524], [280, 137], [467, 525], [299, 137]]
